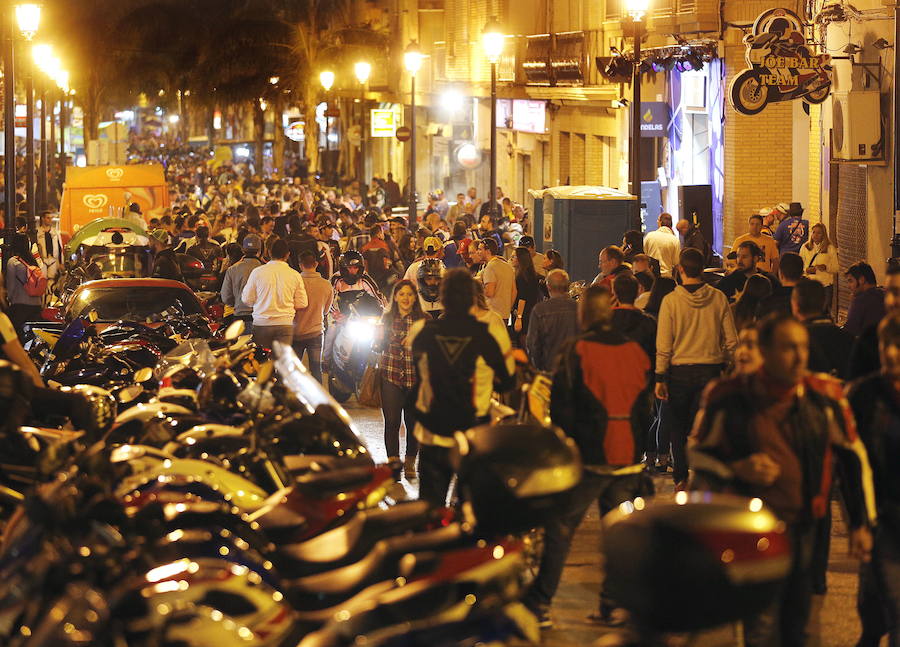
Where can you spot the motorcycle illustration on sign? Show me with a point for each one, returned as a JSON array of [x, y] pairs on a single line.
[[782, 65]]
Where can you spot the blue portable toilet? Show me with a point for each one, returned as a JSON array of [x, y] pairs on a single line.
[[579, 221], [536, 212]]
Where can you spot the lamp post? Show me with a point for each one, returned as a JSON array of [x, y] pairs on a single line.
[[326, 78], [637, 9], [28, 17], [492, 41], [362, 70], [40, 54], [412, 61]]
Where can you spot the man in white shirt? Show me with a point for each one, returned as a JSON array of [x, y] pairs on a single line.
[[663, 245], [275, 291], [498, 276]]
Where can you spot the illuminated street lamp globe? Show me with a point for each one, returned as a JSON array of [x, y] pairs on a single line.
[[492, 40], [42, 55], [28, 17], [637, 9], [412, 58], [326, 78], [362, 70]]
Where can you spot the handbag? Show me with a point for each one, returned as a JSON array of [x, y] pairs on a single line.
[[370, 387]]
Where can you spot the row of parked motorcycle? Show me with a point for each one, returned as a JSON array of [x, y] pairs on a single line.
[[222, 497], [218, 495]]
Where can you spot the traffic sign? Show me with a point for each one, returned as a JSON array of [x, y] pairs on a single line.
[[333, 112], [404, 134]]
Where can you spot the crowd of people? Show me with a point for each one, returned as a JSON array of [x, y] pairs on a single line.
[[733, 382]]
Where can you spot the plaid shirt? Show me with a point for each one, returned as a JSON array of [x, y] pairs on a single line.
[[396, 360]]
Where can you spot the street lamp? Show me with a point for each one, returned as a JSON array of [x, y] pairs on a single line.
[[636, 9], [362, 69], [412, 61], [326, 78], [28, 18], [492, 40]]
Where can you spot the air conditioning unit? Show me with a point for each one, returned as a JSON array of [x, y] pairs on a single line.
[[856, 125]]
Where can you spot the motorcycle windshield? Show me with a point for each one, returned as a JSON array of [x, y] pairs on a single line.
[[358, 302], [193, 353], [307, 389], [69, 340]]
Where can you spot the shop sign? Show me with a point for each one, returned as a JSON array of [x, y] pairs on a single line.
[[294, 131], [782, 66], [384, 123], [654, 119]]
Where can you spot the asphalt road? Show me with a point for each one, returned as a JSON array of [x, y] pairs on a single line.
[[581, 580]]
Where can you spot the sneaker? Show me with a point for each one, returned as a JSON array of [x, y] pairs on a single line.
[[543, 619], [680, 486], [609, 616]]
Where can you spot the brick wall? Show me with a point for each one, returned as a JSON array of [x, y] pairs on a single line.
[[758, 156], [814, 200]]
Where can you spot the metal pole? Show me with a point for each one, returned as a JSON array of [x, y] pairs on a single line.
[[42, 180], [9, 125], [327, 165], [63, 117], [895, 241], [413, 209], [635, 144], [51, 154], [493, 187], [29, 142], [362, 140]]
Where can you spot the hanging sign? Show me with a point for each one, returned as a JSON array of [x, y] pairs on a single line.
[[654, 118], [294, 131], [782, 66], [384, 123]]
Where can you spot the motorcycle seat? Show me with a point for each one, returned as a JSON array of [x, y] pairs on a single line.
[[325, 484], [382, 562], [358, 534]]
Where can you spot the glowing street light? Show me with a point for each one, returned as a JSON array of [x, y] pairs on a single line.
[[28, 17], [412, 58], [492, 39], [42, 54], [326, 78], [274, 80], [362, 70], [637, 9]]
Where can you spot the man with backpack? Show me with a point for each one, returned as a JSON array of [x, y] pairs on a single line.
[[236, 278]]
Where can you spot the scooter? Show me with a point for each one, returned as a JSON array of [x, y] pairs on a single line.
[[353, 343]]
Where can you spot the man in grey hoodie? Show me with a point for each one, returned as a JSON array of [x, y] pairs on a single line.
[[695, 339]]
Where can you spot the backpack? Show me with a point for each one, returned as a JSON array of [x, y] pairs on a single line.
[[35, 283], [300, 245]]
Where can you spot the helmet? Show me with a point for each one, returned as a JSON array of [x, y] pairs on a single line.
[[349, 259], [428, 278], [103, 406], [515, 476], [727, 555]]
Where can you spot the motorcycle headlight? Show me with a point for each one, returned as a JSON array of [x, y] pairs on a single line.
[[361, 330]]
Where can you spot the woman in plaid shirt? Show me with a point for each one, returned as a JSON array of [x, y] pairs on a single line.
[[398, 374]]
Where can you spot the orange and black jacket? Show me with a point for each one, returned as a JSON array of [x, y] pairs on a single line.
[[601, 397], [805, 428]]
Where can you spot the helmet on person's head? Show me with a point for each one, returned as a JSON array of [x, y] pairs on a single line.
[[432, 245], [515, 476], [349, 260], [428, 279]]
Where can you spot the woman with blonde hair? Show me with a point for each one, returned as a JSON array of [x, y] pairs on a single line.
[[820, 260]]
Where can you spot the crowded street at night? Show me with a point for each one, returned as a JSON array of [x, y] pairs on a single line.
[[450, 323]]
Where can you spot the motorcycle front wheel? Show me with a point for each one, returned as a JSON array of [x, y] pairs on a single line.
[[748, 95], [819, 95], [338, 392]]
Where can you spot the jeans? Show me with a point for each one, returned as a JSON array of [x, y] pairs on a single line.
[[397, 405], [313, 347], [20, 314], [435, 474], [608, 491], [266, 336], [686, 384], [878, 601], [658, 434], [784, 622]]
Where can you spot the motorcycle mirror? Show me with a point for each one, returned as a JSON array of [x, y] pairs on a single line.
[[143, 374], [265, 372], [129, 393], [235, 329]]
